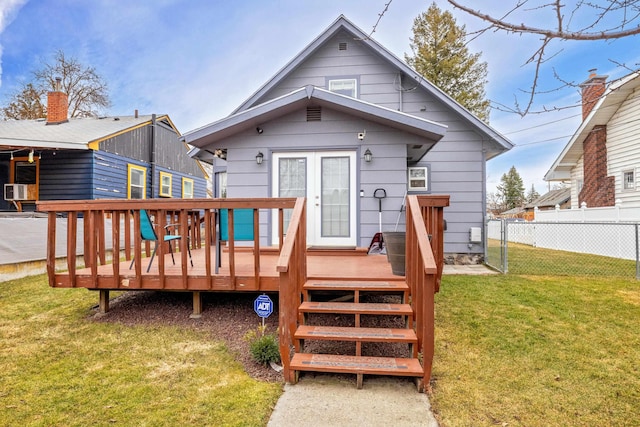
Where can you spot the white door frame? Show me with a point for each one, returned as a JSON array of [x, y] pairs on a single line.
[[313, 160]]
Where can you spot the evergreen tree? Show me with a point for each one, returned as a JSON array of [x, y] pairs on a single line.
[[511, 189], [532, 194], [440, 54]]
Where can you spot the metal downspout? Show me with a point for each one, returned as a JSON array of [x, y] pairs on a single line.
[[152, 156]]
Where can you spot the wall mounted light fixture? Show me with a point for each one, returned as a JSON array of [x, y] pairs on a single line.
[[31, 156], [259, 157], [259, 129], [368, 156]]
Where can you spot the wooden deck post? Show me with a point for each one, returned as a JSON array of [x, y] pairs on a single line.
[[197, 305], [104, 301]]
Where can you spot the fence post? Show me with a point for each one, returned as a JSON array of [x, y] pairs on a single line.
[[505, 261], [637, 254]]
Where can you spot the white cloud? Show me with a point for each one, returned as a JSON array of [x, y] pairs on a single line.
[[8, 12]]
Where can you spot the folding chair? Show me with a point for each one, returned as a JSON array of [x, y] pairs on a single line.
[[148, 232]]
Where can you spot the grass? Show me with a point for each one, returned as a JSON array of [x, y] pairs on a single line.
[[59, 368], [525, 259], [537, 351]]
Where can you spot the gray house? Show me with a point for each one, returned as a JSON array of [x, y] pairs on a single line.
[[343, 119]]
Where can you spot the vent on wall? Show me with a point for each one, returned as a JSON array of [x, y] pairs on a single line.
[[342, 46], [314, 114]]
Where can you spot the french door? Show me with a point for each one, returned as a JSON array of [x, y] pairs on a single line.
[[328, 180]]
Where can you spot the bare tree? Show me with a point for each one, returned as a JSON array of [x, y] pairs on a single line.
[[86, 91], [584, 20]]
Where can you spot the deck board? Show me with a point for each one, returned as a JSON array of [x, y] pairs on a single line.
[[320, 267]]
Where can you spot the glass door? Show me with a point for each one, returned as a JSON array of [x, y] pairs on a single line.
[[327, 180]]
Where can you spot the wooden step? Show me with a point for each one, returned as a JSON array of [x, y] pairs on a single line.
[[333, 285], [356, 308], [357, 364], [355, 334]]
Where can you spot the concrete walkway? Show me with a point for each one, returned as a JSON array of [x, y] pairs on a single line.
[[333, 401]]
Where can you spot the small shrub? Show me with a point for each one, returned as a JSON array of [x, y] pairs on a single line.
[[263, 346]]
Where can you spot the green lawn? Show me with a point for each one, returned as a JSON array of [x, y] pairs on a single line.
[[60, 368], [537, 351], [510, 351], [525, 259]]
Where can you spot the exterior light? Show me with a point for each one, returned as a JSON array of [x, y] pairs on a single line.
[[259, 157], [368, 156], [31, 156]]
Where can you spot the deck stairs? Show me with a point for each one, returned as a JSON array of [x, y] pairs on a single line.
[[356, 327]]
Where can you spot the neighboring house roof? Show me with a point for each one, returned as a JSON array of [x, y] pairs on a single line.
[[299, 98], [601, 113], [513, 212], [76, 134], [552, 198], [342, 23]]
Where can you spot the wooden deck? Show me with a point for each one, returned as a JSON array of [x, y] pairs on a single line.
[[321, 265], [296, 272]]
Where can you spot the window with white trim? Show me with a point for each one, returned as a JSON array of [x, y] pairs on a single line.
[[165, 184], [418, 178], [628, 180], [347, 87], [187, 188], [136, 182]]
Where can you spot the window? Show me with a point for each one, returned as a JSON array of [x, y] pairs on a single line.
[[628, 181], [165, 184], [137, 182], [347, 87], [418, 179], [187, 188], [222, 185]]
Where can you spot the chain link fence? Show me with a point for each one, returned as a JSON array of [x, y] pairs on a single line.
[[564, 248]]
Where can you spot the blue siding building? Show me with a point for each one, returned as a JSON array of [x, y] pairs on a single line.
[[125, 157]]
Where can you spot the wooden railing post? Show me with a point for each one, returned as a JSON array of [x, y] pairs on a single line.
[[425, 259], [293, 272], [51, 248]]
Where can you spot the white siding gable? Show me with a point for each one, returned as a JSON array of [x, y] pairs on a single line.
[[623, 148]]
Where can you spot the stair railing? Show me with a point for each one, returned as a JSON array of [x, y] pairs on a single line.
[[424, 264], [292, 266]]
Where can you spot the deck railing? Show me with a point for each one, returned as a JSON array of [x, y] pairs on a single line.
[[196, 216], [424, 264], [292, 266]]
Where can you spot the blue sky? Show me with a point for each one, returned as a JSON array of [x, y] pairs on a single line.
[[197, 60]]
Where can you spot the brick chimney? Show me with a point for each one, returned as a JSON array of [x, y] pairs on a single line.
[[57, 105], [592, 89], [598, 189]]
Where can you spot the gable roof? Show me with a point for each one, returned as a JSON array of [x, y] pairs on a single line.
[[601, 113], [342, 23], [552, 198], [76, 134], [308, 95]]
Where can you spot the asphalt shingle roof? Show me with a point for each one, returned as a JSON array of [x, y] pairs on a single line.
[[74, 134]]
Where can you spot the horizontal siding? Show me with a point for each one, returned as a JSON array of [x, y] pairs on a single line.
[[66, 175], [456, 163], [110, 175], [577, 174], [622, 147]]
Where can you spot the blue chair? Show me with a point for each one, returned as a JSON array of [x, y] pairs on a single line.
[[242, 229], [147, 232]]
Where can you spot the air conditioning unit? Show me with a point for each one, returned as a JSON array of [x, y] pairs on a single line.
[[15, 192]]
